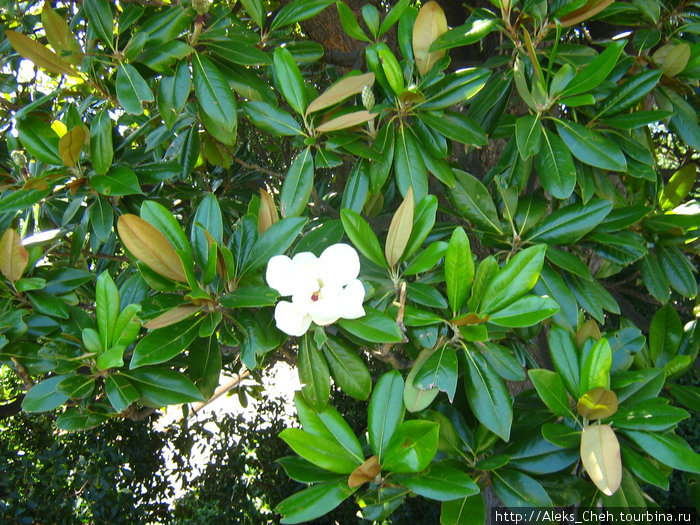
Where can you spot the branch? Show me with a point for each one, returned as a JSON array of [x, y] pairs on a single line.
[[197, 407], [23, 374], [256, 167]]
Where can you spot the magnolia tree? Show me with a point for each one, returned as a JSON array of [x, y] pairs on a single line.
[[481, 206]]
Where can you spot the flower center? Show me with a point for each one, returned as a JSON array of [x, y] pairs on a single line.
[[315, 296]]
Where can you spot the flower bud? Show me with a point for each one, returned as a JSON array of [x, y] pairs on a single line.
[[367, 98], [19, 158], [201, 6]]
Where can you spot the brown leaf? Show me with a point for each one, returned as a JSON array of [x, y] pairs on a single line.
[[400, 229], [173, 316], [589, 329], [369, 470], [600, 455], [267, 213], [597, 403], [430, 24], [150, 246], [42, 56], [469, 319], [344, 88], [60, 35], [592, 8], [13, 256], [71, 144], [346, 121]]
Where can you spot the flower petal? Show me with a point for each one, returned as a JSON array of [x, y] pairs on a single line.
[[327, 309], [290, 319], [339, 264], [351, 299], [281, 274]]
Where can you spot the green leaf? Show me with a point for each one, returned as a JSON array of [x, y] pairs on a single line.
[[362, 236], [163, 344], [314, 376], [252, 296], [297, 185], [427, 259], [374, 327], [205, 365], [441, 483], [472, 201], [355, 193], [533, 454], [409, 166], [350, 24], [173, 93], [516, 489], [289, 77], [476, 27], [639, 385], [304, 471], [39, 140], [119, 181], [630, 92], [459, 269], [101, 149], [415, 398], [101, 218], [665, 335], [686, 395], [215, 98], [99, 15], [385, 411], [423, 222], [454, 88], [271, 119], [561, 435], [275, 241], [120, 392], [297, 11], [321, 451], [679, 186], [553, 285], [347, 368], [49, 305], [590, 147], [598, 70], [73, 419], [132, 89], [528, 134], [488, 396], [379, 169], [208, 219], [467, 511], [503, 362], [652, 415], [669, 449], [595, 369], [678, 270], [555, 166], [107, 308], [455, 126], [77, 386], [636, 119], [551, 390], [526, 311], [411, 447], [570, 223], [314, 501], [439, 371], [514, 280], [163, 386], [328, 424], [45, 396], [641, 467]]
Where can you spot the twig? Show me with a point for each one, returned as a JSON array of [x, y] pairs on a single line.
[[23, 374], [197, 407], [257, 167]]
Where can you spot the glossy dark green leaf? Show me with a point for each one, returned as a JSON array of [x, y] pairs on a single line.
[[459, 269], [409, 167], [215, 98], [514, 280], [652, 415], [423, 221], [641, 467], [635, 386], [570, 223], [173, 93], [595, 369], [686, 395], [665, 333], [472, 200], [385, 411], [553, 285], [207, 218], [274, 241], [516, 489], [503, 361], [314, 376], [528, 135], [356, 188], [455, 126], [321, 451], [564, 354], [132, 89], [474, 29], [350, 24], [289, 77], [439, 371], [297, 11], [636, 119], [375, 327], [314, 501], [120, 180], [590, 147], [39, 139], [454, 88], [630, 92], [45, 395], [467, 511], [551, 390], [561, 435], [73, 420], [526, 311], [271, 119], [99, 14], [304, 471], [120, 392], [77, 386], [163, 344], [669, 449], [297, 185], [362, 236], [555, 166], [596, 71], [347, 368], [427, 259], [252, 296], [101, 149], [107, 308], [205, 364], [379, 169], [488, 396], [163, 386], [533, 454], [678, 270], [441, 483], [412, 446]]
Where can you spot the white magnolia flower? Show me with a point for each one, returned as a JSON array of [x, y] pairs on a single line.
[[323, 289]]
